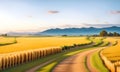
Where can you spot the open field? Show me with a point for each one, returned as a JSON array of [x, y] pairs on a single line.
[[47, 68], [30, 43], [111, 55], [29, 52], [113, 52], [29, 49], [7, 41]]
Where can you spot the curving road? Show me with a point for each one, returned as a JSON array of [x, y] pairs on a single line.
[[76, 63]]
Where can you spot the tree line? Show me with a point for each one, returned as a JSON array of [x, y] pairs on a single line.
[[105, 33]]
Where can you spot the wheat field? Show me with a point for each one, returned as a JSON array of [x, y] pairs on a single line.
[[111, 55], [4, 40], [29, 43], [113, 52], [29, 48]]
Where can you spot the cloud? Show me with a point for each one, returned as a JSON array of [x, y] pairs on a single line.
[[29, 16], [101, 25], [115, 12], [52, 12]]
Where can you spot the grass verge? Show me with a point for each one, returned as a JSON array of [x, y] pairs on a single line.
[[49, 67], [62, 56], [97, 62]]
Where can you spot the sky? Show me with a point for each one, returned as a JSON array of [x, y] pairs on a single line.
[[39, 15]]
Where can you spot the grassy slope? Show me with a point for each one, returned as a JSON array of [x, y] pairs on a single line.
[[97, 62]]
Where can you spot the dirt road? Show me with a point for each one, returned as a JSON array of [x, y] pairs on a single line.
[[43, 64], [75, 63]]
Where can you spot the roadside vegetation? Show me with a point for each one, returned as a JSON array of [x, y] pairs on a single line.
[[97, 62], [49, 67]]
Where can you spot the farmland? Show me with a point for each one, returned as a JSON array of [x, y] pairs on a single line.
[[59, 36], [29, 49], [113, 52], [7, 41], [29, 43], [28, 52], [111, 55]]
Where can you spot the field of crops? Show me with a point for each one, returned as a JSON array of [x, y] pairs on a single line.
[[24, 43], [111, 55], [31, 48], [4, 40], [112, 40], [113, 52], [16, 51]]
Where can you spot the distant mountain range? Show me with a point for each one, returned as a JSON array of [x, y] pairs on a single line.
[[78, 31], [71, 31]]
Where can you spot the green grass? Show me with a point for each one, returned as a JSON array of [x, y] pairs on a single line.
[[97, 41], [85, 59], [97, 62], [61, 57], [49, 67], [105, 43]]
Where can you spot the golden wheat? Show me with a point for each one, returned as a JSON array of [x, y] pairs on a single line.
[[43, 42], [28, 49]]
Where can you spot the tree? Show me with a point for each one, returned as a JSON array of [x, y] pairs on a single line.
[[115, 34], [103, 33], [64, 35], [110, 34], [4, 35]]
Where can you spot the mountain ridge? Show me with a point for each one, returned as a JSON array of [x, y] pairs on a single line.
[[79, 31], [69, 31]]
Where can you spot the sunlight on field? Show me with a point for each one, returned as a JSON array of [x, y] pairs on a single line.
[[112, 40], [113, 52], [6, 40], [24, 43]]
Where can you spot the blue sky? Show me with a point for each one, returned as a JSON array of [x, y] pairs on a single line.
[[38, 15]]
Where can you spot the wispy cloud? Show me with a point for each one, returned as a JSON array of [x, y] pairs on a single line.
[[115, 12], [29, 16], [52, 12], [101, 25]]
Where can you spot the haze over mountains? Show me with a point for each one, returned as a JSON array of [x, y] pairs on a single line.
[[70, 31]]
